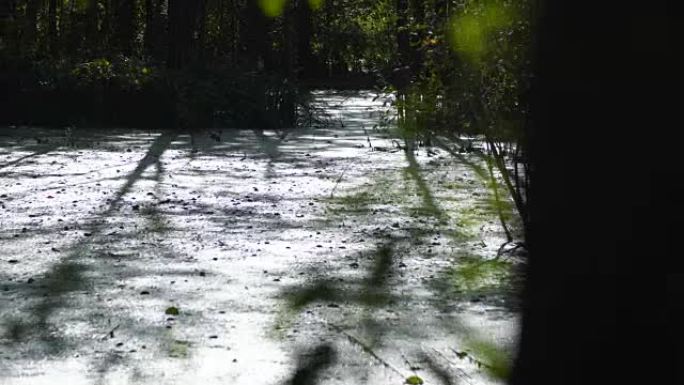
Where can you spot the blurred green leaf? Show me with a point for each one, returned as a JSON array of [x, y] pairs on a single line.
[[471, 30], [272, 8], [316, 4], [172, 311]]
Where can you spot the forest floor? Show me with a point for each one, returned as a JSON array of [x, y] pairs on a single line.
[[296, 257]]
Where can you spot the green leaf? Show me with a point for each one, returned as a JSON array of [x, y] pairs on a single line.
[[315, 4], [414, 380], [172, 311], [272, 8], [471, 32]]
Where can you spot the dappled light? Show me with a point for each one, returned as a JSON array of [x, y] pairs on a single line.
[[305, 240]]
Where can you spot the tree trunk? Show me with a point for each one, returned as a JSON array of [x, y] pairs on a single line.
[[29, 27], [306, 59], [416, 41], [255, 36], [403, 38], [603, 303], [125, 28], [153, 28], [182, 25], [52, 28]]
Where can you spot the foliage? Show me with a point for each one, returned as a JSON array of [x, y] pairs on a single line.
[[172, 310], [471, 82]]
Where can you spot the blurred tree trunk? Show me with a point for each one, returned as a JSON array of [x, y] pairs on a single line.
[[30, 25], [255, 37], [604, 299], [440, 8], [416, 40], [401, 74], [154, 29], [52, 28], [125, 26], [184, 16], [286, 104], [403, 38], [306, 59]]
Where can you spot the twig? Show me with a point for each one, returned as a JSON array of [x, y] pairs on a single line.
[[365, 348], [368, 138], [452, 363], [497, 199], [110, 334], [501, 250], [479, 363], [337, 182]]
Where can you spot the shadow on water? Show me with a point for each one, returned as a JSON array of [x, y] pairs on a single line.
[[35, 154], [371, 291], [69, 275], [472, 280], [429, 206], [359, 300], [310, 365], [83, 265]]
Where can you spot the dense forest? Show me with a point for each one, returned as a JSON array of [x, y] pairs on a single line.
[[459, 67], [209, 55]]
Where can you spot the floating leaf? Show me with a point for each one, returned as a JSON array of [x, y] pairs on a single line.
[[172, 311]]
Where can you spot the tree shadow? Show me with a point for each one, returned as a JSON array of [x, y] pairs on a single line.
[[310, 365], [34, 154], [69, 275], [429, 207], [369, 304]]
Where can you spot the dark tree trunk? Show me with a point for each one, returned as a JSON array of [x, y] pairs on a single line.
[[401, 74], [184, 16], [403, 38], [602, 296], [52, 28], [153, 28], [440, 8], [125, 28], [255, 36], [418, 11], [306, 59], [29, 26], [7, 10]]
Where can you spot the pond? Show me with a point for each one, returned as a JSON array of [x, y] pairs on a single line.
[[324, 254]]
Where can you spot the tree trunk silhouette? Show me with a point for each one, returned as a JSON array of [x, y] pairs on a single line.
[[153, 28], [52, 28], [255, 37], [601, 295], [184, 16], [125, 14], [306, 60]]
